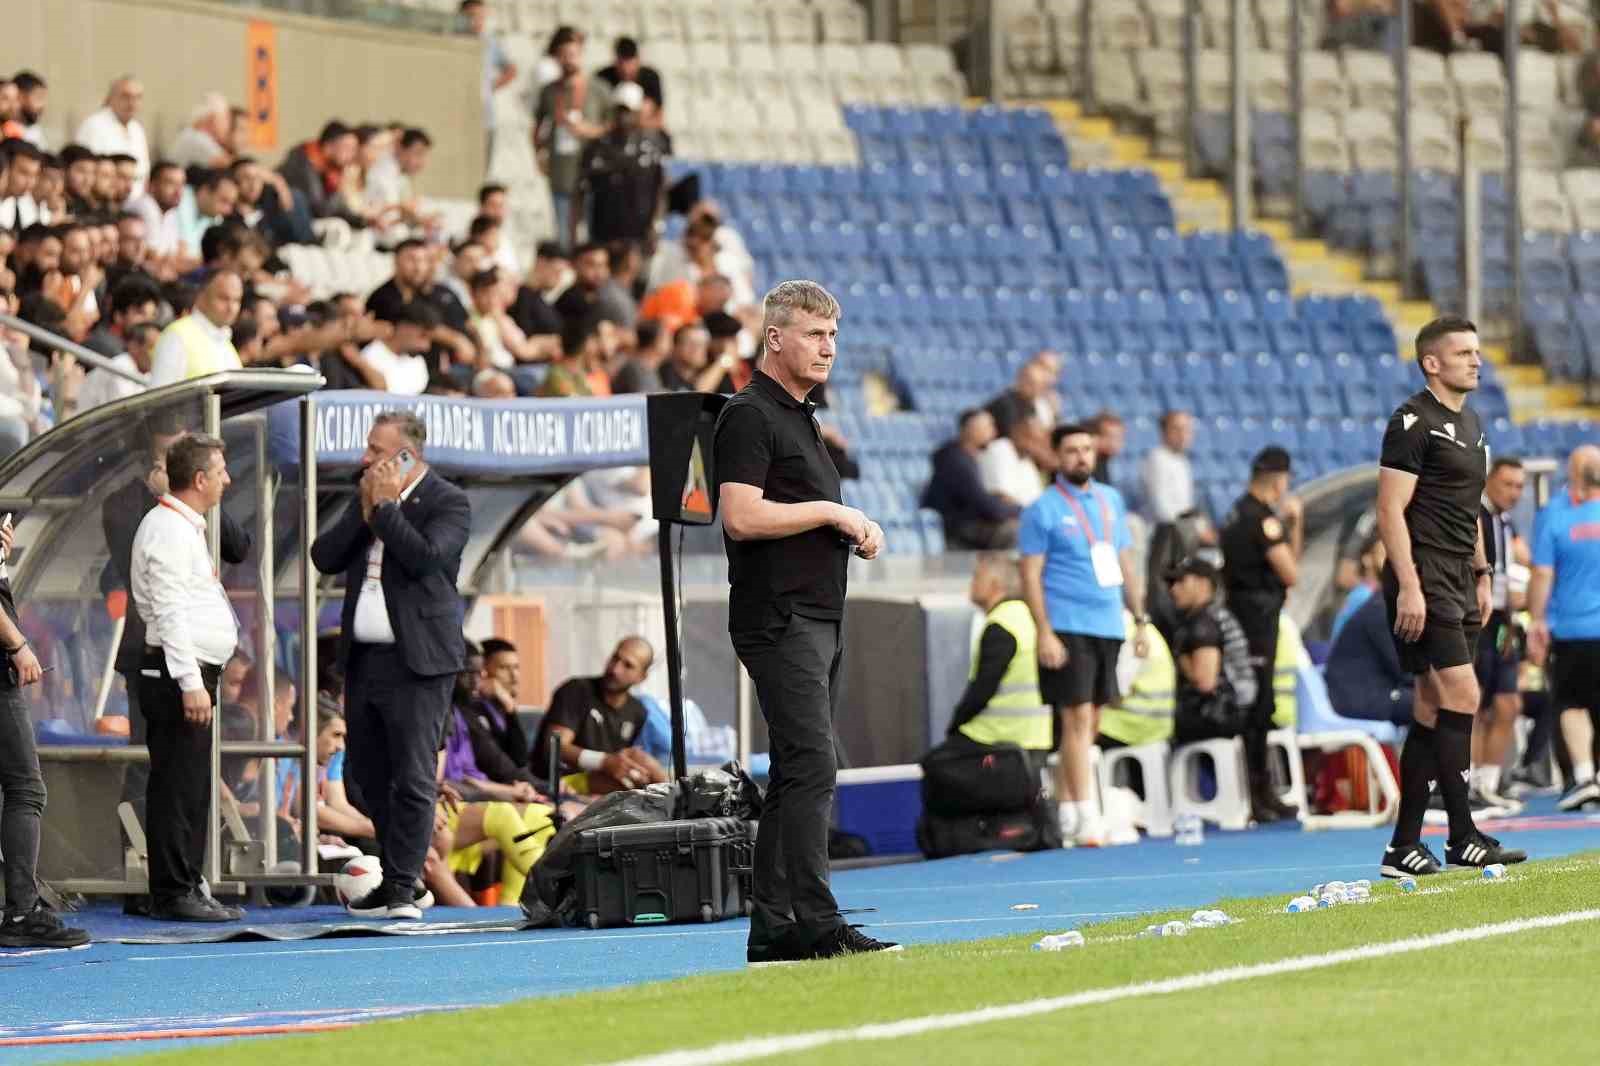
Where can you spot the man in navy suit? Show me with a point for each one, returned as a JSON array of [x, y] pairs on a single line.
[[399, 547]]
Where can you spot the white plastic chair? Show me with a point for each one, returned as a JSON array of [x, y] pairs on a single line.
[[1229, 808], [1155, 808]]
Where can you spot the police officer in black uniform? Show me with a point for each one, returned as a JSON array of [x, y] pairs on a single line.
[[1261, 542], [1437, 587], [789, 541]]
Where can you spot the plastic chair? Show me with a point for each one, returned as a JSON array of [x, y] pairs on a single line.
[[1229, 807]]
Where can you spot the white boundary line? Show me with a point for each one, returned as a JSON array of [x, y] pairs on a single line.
[[764, 1047]]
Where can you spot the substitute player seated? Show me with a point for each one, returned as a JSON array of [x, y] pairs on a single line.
[[1437, 588], [597, 722]]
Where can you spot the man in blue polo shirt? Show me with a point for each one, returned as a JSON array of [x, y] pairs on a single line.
[[1564, 601], [1077, 571]]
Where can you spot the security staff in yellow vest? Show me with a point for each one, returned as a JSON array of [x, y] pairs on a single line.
[[1286, 673], [201, 342], [1001, 703], [1143, 714]]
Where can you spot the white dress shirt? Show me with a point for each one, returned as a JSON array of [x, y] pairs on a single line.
[[103, 133], [185, 609], [1168, 483], [161, 229], [1004, 470], [372, 625]]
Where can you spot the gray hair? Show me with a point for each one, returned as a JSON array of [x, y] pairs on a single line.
[[410, 426], [788, 298], [1004, 566]]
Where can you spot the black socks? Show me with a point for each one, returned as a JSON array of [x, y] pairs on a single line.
[[1419, 767], [1453, 741]]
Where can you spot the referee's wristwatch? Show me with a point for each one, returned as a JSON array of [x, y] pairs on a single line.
[[1481, 572]]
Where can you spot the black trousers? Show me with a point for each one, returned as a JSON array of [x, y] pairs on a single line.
[[395, 721], [178, 795], [1259, 620], [795, 668], [136, 779]]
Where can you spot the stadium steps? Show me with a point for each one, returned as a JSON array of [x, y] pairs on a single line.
[[1313, 266]]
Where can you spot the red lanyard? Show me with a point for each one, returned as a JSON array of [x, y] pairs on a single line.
[[1083, 516], [190, 523]]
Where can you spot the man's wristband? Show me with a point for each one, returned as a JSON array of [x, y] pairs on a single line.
[[1481, 572], [590, 760], [19, 647]]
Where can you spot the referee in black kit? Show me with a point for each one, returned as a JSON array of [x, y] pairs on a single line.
[[1436, 585], [788, 540]]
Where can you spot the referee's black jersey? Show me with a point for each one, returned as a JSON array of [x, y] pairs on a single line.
[[1447, 452]]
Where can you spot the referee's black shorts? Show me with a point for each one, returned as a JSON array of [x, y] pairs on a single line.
[[1575, 674], [1090, 675], [1450, 632]]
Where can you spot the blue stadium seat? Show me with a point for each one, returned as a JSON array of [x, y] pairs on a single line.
[[1332, 337], [1361, 399], [1134, 272], [1220, 272], [1150, 305], [1081, 242], [1247, 337], [1290, 337], [1177, 272], [1203, 336], [1232, 305], [1120, 240], [1189, 305]]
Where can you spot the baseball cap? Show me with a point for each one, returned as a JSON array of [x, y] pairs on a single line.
[[1270, 460], [627, 94], [1192, 565]]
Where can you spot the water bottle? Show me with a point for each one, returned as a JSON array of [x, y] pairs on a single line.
[[1494, 872], [1355, 894], [1188, 831], [1408, 884], [1060, 941], [1301, 904], [1209, 919], [1168, 929]]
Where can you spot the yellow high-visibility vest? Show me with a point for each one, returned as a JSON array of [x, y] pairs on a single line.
[[201, 354], [1017, 713], [1286, 673], [1144, 713]]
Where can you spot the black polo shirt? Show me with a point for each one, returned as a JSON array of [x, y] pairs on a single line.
[[768, 439], [1447, 453], [580, 706], [1251, 530], [387, 301]]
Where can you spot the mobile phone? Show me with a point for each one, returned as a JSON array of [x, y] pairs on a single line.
[[405, 461]]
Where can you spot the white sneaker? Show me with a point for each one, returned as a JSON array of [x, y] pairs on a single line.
[[1091, 834], [1067, 816]]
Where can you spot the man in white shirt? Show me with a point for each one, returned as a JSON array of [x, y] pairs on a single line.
[[200, 143], [116, 130], [102, 386], [201, 342], [20, 171], [402, 359], [1165, 476], [190, 633], [1007, 467], [159, 209]]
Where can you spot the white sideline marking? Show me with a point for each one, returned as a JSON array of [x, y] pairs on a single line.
[[1244, 871], [766, 1046]]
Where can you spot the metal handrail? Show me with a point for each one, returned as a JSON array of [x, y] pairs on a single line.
[[72, 348]]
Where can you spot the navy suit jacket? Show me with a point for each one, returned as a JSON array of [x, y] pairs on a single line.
[[423, 538]]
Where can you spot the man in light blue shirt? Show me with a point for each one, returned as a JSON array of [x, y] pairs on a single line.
[[1077, 572], [1564, 600]]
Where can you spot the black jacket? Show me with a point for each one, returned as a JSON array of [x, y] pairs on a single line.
[[120, 516], [423, 538]]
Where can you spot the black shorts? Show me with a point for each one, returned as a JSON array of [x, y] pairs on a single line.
[[1498, 660], [1575, 674], [1450, 632], [1090, 675]]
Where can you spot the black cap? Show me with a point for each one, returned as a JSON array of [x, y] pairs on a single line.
[[1192, 565], [1270, 460], [550, 250], [720, 324]]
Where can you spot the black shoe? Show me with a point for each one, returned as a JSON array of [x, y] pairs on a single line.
[[40, 927], [1479, 850], [849, 940], [1262, 814], [1411, 860], [382, 902], [1579, 794], [136, 906], [782, 951], [422, 897], [194, 908]]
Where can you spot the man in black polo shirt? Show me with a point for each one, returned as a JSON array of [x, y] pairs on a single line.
[[597, 720], [1438, 590], [1261, 558], [788, 540], [622, 179]]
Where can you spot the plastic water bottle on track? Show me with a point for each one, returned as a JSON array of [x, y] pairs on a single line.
[[1188, 831], [1301, 904], [1060, 941]]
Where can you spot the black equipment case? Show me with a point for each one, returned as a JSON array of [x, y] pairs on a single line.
[[690, 870]]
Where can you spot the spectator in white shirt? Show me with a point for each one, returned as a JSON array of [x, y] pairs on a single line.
[[159, 209], [498, 71], [190, 633], [201, 142], [116, 129], [391, 183], [402, 359], [1007, 467], [21, 165], [200, 342], [1165, 476], [492, 205], [102, 386]]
